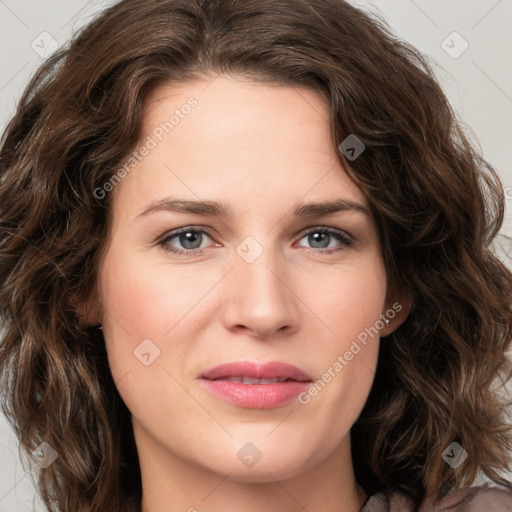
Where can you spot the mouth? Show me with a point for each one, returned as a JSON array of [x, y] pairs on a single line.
[[249, 372], [254, 385], [250, 380]]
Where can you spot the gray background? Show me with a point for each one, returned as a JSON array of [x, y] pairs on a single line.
[[476, 79]]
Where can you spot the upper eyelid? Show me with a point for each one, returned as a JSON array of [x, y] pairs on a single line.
[[209, 231], [175, 232]]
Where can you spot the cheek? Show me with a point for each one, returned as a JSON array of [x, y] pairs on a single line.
[[352, 301], [140, 308], [347, 353], [144, 302], [147, 299], [346, 363]]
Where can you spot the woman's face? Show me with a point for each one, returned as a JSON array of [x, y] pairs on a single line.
[[270, 280]]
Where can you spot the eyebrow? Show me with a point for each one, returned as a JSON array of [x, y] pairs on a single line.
[[218, 209]]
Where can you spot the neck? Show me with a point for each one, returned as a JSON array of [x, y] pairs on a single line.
[[172, 484]]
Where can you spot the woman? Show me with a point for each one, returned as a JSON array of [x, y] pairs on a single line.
[[174, 337]]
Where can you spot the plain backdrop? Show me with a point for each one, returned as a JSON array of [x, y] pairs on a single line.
[[469, 42]]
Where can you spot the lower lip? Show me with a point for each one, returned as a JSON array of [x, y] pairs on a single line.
[[256, 396]]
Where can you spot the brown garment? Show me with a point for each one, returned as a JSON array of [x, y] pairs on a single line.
[[489, 497]]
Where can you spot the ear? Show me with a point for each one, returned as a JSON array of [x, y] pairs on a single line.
[[91, 313], [88, 311], [396, 310]]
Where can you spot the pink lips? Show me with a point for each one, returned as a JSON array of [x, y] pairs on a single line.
[[258, 386]]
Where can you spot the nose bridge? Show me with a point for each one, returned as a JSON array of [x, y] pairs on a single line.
[[259, 296], [259, 265]]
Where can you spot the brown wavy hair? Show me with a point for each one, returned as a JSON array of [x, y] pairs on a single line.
[[436, 202]]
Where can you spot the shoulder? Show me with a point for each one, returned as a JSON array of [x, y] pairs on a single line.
[[489, 497]]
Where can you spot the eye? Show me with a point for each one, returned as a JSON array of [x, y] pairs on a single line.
[[321, 238], [190, 239]]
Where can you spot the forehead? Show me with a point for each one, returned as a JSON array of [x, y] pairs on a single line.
[[234, 106], [212, 137]]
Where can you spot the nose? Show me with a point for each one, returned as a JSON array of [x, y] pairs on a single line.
[[260, 298]]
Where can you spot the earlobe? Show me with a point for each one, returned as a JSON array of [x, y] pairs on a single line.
[[396, 313], [88, 313], [92, 314]]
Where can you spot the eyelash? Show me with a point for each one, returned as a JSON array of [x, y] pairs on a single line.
[[346, 240]]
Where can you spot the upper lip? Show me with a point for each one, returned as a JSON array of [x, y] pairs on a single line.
[[256, 370]]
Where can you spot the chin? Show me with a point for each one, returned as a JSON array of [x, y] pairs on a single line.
[[270, 463]]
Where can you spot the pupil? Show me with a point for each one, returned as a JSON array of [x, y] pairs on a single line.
[[316, 236], [187, 239]]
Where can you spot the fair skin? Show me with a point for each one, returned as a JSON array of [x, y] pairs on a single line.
[[261, 150]]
